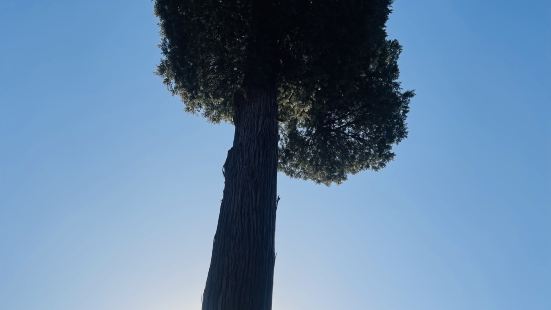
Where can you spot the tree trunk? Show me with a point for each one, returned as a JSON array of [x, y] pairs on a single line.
[[243, 256]]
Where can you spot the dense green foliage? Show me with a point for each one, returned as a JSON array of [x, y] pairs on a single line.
[[341, 107]]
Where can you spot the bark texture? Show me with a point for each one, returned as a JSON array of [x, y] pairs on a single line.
[[243, 256]]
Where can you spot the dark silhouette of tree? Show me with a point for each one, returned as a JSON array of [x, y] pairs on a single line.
[[312, 89]]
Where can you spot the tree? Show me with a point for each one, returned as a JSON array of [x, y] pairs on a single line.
[[312, 90]]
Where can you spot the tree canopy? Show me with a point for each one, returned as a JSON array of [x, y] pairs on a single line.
[[341, 106]]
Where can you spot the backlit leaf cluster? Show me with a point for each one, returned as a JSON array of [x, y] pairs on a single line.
[[341, 106]]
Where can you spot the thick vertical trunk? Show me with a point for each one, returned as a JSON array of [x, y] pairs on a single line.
[[243, 256]]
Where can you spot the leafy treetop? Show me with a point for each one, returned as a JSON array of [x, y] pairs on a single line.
[[341, 107]]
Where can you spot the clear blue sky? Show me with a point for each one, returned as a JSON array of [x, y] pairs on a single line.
[[109, 192]]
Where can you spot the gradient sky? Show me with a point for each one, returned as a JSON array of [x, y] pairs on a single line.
[[109, 191]]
